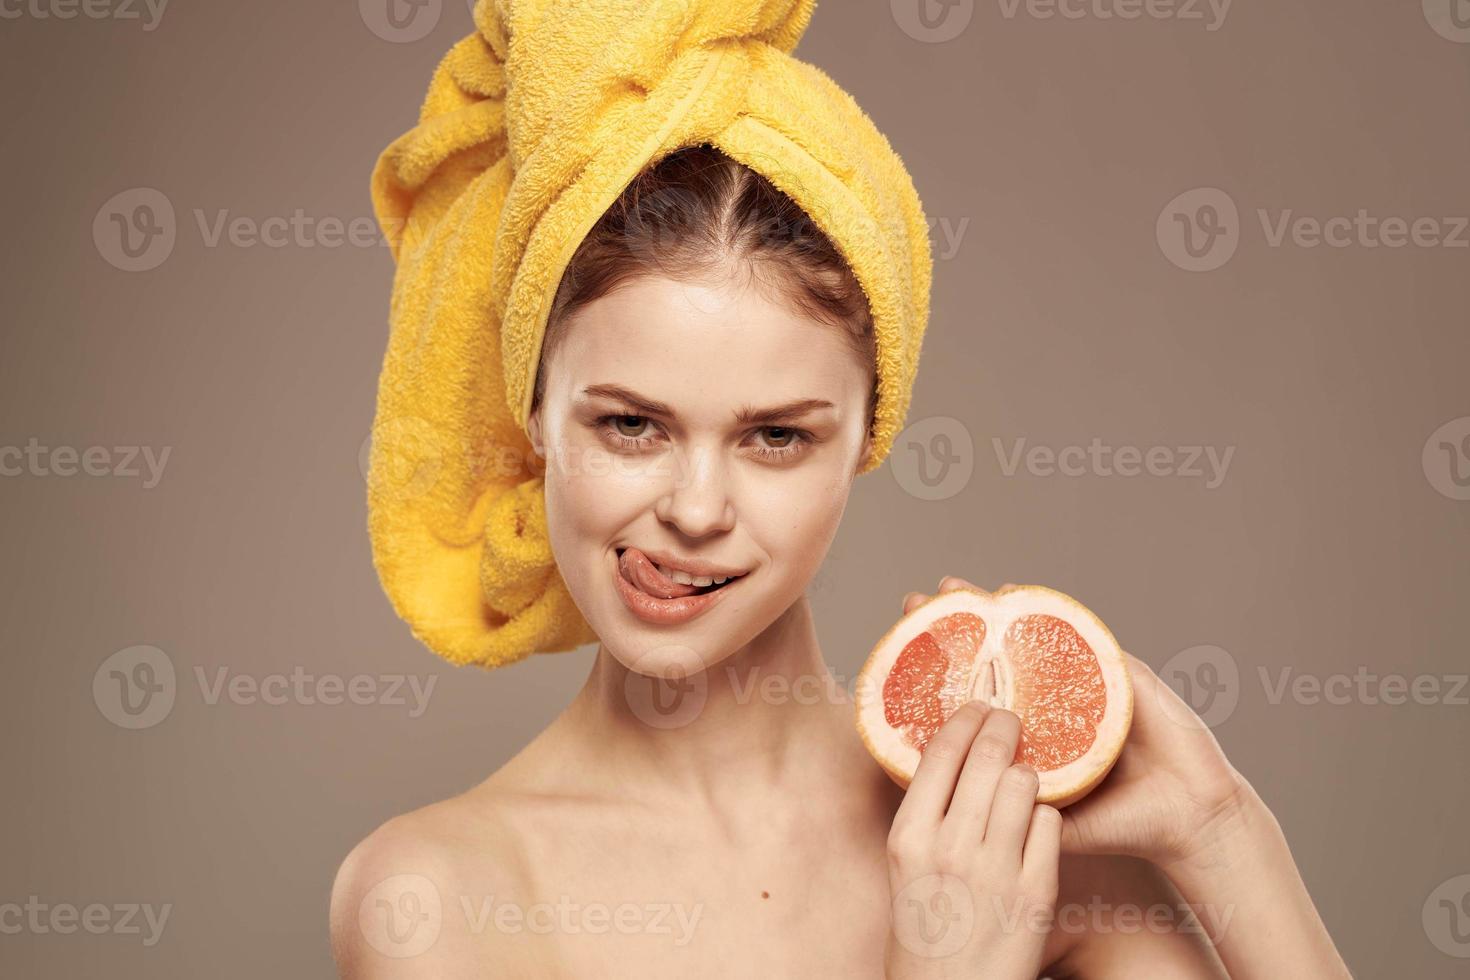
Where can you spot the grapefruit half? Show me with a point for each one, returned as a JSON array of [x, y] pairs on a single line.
[[1033, 650]]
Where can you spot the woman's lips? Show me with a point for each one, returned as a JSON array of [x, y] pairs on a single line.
[[654, 598]]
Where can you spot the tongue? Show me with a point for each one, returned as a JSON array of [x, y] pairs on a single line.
[[644, 574]]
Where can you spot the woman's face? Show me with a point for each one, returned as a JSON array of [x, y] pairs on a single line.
[[655, 430]]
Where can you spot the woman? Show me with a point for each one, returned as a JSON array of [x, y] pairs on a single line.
[[713, 374]]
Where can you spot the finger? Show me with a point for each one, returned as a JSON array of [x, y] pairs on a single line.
[[1010, 815], [1160, 716], [933, 784], [1041, 857], [991, 753], [949, 583], [1079, 831], [913, 601]]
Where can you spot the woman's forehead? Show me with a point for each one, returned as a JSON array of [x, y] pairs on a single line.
[[692, 344]]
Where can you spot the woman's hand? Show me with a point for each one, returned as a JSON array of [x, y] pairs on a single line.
[[1171, 788], [972, 858], [1174, 799]]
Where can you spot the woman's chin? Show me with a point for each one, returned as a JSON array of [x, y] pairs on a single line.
[[662, 652]]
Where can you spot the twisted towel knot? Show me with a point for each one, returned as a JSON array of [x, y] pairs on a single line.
[[517, 561]]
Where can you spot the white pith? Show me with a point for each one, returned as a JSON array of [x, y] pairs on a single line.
[[992, 679]]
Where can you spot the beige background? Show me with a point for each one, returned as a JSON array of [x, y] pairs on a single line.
[[1050, 146]]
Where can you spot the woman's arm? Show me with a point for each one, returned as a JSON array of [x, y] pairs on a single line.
[[1243, 874], [1175, 800]]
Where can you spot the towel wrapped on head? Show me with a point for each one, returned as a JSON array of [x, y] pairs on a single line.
[[532, 128]]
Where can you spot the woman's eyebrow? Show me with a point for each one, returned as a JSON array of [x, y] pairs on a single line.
[[620, 394], [789, 412], [743, 416]]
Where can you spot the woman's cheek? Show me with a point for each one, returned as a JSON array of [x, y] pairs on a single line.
[[794, 523], [591, 498]]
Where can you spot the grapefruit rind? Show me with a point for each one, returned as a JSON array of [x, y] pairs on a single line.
[[1058, 787]]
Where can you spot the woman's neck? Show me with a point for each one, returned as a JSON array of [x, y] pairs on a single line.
[[770, 715]]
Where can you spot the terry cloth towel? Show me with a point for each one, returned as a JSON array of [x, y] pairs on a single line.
[[532, 127]]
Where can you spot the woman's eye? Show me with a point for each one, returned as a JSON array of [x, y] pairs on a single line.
[[780, 437], [772, 442], [627, 431], [782, 443], [636, 422]]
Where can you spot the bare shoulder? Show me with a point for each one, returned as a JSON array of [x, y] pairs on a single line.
[[1121, 917], [396, 906]]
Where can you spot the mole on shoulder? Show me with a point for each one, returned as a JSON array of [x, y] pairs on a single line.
[[765, 894]]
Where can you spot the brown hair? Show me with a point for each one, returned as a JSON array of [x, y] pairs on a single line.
[[694, 214]]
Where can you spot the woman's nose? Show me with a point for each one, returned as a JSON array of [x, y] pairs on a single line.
[[697, 502]]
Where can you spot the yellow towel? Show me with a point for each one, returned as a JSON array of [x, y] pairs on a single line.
[[532, 127]]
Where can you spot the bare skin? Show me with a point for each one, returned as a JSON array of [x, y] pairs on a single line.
[[775, 851], [755, 836]]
